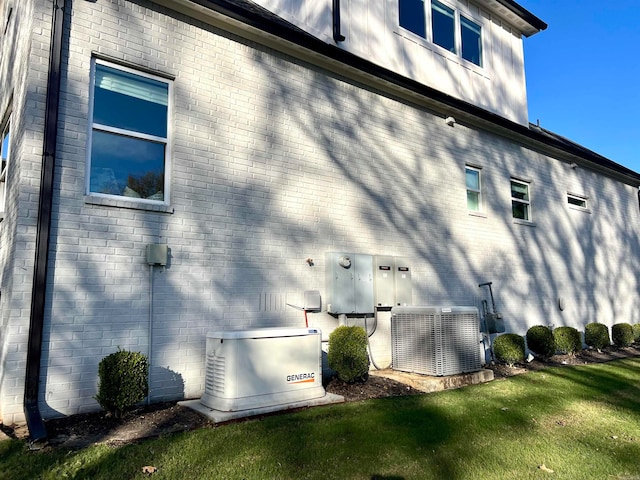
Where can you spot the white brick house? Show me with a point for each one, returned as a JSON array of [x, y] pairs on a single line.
[[251, 137]]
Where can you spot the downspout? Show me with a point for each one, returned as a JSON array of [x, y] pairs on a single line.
[[337, 34], [37, 429]]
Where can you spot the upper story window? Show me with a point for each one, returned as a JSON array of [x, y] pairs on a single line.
[[520, 200], [5, 155], [129, 141], [444, 26], [474, 190]]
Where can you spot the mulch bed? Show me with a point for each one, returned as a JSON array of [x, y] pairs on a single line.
[[156, 420]]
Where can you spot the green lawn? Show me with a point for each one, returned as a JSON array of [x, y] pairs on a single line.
[[580, 422]]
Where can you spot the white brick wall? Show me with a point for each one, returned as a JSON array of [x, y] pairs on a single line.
[[275, 162]]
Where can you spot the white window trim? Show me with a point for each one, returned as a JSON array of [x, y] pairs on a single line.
[[430, 45], [582, 198], [168, 141], [523, 221], [480, 210]]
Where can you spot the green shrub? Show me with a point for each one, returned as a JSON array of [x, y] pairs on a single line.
[[541, 342], [636, 332], [567, 340], [347, 353], [622, 334], [123, 381], [596, 335], [509, 348]]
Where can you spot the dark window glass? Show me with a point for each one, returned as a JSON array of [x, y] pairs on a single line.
[[471, 41], [443, 23], [412, 16], [127, 166], [130, 102]]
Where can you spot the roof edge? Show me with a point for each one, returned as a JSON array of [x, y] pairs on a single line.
[[523, 13]]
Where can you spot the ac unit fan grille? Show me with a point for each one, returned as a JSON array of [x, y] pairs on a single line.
[[435, 341]]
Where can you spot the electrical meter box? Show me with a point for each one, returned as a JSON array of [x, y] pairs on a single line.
[[349, 282], [392, 281]]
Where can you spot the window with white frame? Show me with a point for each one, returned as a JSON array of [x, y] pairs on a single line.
[[5, 155], [444, 26], [520, 200], [474, 189], [129, 141], [578, 202]]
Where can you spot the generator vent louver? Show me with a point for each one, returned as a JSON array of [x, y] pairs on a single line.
[[215, 374], [435, 341]]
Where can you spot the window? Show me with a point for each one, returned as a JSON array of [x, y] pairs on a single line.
[[129, 150], [412, 16], [447, 28], [577, 201], [5, 155], [471, 41], [520, 200], [474, 193]]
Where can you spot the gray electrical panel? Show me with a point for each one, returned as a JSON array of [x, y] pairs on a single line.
[[349, 283], [392, 281], [384, 272], [403, 286]]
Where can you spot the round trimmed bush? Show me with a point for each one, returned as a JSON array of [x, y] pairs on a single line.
[[123, 381], [622, 334], [596, 335], [636, 332], [541, 342], [347, 353], [567, 340], [509, 348]]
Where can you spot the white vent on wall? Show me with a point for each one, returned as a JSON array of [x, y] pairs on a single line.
[[435, 341]]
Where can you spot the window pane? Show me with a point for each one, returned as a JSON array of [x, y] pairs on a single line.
[[520, 210], [127, 166], [473, 201], [473, 179], [130, 102], [4, 148], [520, 191], [443, 23], [577, 201], [471, 41], [412, 16]]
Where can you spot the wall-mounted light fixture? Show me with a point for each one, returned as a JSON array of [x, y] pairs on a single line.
[[450, 121], [573, 165]]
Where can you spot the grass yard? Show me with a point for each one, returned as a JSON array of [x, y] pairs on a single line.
[[559, 423]]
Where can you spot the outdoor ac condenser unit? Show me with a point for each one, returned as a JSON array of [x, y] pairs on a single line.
[[247, 369], [435, 341]]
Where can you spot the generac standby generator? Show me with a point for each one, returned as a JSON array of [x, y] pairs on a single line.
[[247, 369], [435, 341]]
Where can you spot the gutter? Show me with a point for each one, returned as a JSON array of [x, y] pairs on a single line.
[[35, 423]]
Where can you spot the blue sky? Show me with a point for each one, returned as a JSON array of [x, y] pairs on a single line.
[[582, 74]]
